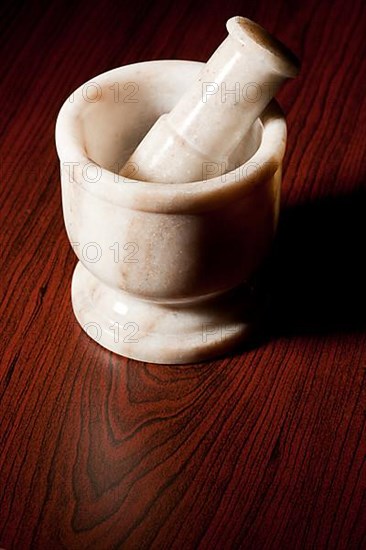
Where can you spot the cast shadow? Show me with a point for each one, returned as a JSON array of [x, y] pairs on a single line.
[[315, 279]]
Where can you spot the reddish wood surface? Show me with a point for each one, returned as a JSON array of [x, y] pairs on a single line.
[[262, 449]]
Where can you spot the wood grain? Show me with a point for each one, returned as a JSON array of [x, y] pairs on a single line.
[[264, 449]]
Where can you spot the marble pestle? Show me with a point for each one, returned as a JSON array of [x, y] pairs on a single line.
[[214, 119]]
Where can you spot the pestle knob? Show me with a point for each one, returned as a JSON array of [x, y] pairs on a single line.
[[218, 111]]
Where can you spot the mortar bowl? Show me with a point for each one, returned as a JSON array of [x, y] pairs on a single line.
[[164, 270]]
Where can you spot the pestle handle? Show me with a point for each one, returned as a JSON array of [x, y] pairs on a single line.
[[219, 109]]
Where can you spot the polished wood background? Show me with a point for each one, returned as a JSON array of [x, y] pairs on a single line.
[[261, 449]]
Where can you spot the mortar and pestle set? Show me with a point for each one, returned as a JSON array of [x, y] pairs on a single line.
[[170, 192]]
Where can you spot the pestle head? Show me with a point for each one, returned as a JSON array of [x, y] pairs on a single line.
[[265, 47], [215, 116]]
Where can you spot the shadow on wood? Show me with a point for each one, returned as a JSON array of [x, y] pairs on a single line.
[[316, 277]]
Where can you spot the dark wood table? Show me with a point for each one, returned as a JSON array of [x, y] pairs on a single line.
[[261, 449]]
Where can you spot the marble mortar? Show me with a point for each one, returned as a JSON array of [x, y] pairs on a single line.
[[164, 270]]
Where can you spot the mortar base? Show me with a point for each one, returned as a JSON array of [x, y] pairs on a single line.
[[177, 333]]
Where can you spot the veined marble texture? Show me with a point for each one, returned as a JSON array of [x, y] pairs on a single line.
[[162, 268]]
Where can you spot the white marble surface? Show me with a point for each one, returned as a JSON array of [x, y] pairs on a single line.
[[161, 258]]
